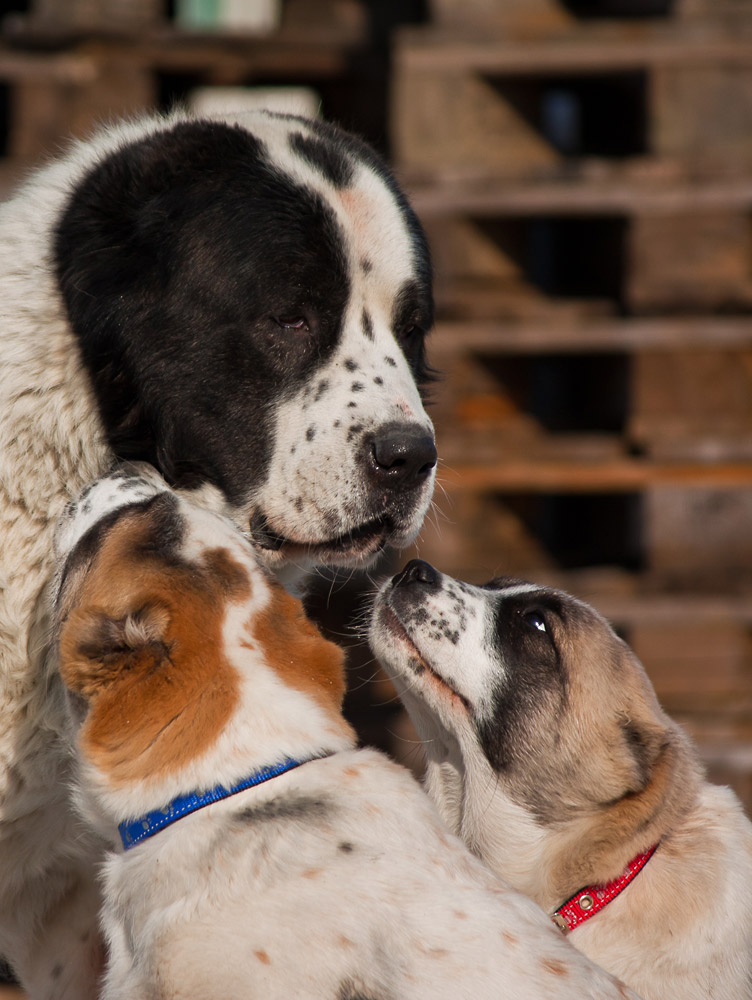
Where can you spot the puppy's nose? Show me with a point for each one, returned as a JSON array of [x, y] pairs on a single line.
[[417, 574], [402, 455]]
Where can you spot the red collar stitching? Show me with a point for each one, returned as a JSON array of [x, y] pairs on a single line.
[[588, 901]]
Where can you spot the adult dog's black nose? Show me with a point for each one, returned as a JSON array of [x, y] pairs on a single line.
[[402, 455], [417, 574]]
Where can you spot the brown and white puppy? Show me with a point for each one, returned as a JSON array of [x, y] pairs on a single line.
[[242, 303], [548, 753], [189, 668]]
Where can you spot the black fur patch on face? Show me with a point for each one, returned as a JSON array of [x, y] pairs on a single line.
[[360, 151], [412, 318], [531, 676], [367, 325], [162, 543], [330, 161], [177, 258]]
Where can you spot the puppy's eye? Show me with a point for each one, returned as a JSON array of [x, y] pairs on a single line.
[[535, 620], [411, 331], [296, 323]]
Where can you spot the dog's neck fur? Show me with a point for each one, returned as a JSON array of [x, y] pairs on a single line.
[[165, 701], [550, 862], [238, 752]]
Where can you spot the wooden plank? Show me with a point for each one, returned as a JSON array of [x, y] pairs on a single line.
[[588, 48], [513, 302], [699, 532], [519, 16], [660, 611], [88, 14], [453, 118], [44, 113], [66, 68], [498, 542], [581, 335], [299, 49], [677, 657], [590, 188], [689, 260], [702, 114], [690, 397], [626, 474]]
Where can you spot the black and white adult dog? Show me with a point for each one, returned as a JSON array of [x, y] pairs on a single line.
[[241, 304]]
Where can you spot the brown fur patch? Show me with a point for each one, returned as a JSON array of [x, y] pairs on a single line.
[[263, 957], [297, 651], [555, 967], [158, 703]]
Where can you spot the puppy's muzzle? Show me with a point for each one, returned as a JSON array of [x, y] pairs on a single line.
[[417, 577]]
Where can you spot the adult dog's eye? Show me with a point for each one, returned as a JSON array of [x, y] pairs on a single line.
[[291, 322], [535, 619]]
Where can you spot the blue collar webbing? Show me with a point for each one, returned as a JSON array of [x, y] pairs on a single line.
[[132, 832]]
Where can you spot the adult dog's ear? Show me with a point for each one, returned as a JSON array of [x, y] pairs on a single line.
[[96, 648]]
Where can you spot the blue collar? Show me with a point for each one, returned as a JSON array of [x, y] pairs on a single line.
[[134, 831]]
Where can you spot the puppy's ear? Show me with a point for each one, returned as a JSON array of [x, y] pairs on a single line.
[[645, 742], [96, 648], [645, 729]]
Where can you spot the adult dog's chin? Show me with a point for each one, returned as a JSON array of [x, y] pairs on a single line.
[[356, 548]]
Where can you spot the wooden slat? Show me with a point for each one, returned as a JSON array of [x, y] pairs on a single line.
[[587, 48], [650, 334], [69, 68], [626, 474], [655, 609], [595, 189], [692, 260]]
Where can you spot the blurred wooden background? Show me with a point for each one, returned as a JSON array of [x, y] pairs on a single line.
[[584, 171]]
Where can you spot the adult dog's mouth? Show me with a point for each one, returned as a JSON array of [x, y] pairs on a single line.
[[358, 545], [387, 620]]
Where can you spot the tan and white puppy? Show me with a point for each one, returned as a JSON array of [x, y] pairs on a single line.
[[548, 753], [190, 671]]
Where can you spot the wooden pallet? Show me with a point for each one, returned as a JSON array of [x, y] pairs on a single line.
[[644, 237], [513, 106], [651, 416], [547, 17], [65, 77]]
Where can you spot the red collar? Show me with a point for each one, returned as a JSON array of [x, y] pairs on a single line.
[[588, 901]]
